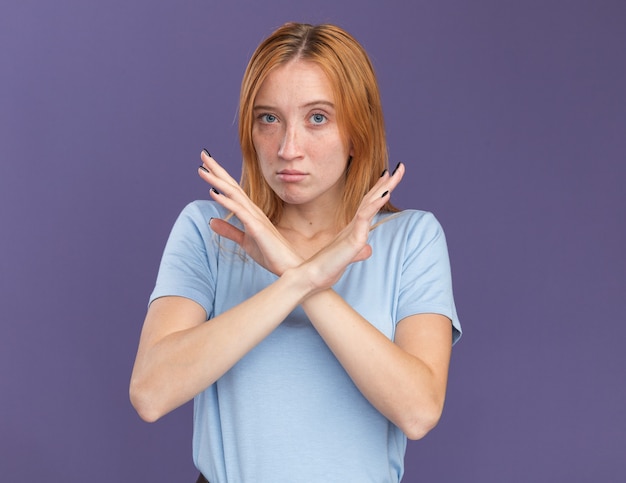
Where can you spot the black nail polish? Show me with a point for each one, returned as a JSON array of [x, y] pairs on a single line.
[[215, 191], [204, 169], [206, 151], [385, 194], [396, 169], [383, 173]]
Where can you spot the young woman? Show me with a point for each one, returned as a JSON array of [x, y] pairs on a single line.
[[310, 320]]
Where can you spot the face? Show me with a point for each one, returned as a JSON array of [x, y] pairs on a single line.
[[295, 133]]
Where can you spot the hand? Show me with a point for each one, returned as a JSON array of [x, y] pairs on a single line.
[[350, 245], [260, 239]]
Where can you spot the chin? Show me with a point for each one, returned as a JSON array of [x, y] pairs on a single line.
[[291, 197], [293, 200]]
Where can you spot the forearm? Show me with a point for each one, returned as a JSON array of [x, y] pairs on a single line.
[[399, 384], [172, 369]]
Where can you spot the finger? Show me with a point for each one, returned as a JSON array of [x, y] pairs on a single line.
[[222, 185], [389, 181], [380, 193], [225, 229], [232, 205], [215, 168], [396, 176], [255, 223], [211, 172], [364, 254], [229, 195], [375, 199]]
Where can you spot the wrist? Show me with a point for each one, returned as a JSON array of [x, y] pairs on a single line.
[[301, 280]]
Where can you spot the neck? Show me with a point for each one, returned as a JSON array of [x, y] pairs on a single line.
[[307, 231], [309, 222]]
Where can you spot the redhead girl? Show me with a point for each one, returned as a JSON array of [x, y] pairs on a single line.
[[309, 319]]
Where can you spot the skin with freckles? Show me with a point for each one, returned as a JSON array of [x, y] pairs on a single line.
[[295, 133]]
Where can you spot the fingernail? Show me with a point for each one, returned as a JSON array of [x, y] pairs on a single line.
[[383, 173], [204, 169], [207, 152], [215, 191], [396, 169], [385, 194]]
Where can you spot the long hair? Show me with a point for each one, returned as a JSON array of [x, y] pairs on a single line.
[[357, 103]]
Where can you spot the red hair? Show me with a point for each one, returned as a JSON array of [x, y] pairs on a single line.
[[357, 103]]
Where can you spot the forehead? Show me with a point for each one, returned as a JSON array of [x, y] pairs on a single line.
[[297, 81]]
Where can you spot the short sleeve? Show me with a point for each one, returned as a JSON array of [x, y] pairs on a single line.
[[189, 262], [426, 281]]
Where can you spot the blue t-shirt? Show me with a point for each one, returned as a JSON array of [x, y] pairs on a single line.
[[287, 411]]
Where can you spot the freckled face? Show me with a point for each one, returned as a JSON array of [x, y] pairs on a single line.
[[295, 133]]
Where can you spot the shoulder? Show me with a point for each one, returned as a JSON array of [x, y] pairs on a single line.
[[408, 221], [198, 214], [408, 231], [192, 223], [204, 210], [406, 216]]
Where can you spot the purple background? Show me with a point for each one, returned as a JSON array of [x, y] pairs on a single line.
[[511, 119]]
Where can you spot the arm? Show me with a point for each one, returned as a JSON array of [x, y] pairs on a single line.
[[405, 380], [180, 354]]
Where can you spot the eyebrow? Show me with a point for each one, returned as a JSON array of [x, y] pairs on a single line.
[[307, 105]]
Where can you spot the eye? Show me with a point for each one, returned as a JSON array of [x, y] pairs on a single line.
[[268, 118], [318, 118]]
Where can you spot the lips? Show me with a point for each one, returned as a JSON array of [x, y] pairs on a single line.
[[291, 175]]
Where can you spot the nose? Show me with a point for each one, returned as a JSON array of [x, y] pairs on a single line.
[[290, 144]]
